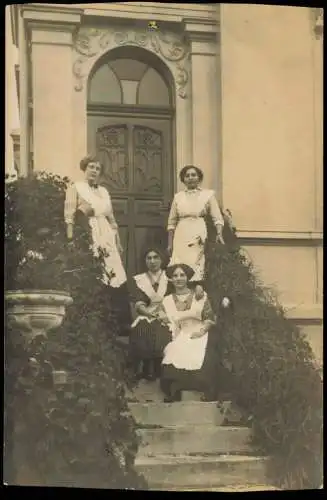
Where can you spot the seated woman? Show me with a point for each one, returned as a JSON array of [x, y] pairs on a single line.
[[149, 336], [189, 358]]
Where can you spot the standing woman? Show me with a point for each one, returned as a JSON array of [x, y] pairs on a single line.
[[187, 230], [88, 206]]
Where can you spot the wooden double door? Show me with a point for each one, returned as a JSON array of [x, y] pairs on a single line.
[[138, 173]]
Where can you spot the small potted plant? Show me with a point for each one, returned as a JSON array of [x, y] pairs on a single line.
[[36, 294]]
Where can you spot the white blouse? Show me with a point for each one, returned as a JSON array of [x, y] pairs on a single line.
[[194, 203]]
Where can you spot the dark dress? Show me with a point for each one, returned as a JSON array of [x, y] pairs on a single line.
[[147, 339]]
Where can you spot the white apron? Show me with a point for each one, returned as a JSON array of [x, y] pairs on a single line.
[[183, 352], [191, 232], [156, 297], [103, 236]]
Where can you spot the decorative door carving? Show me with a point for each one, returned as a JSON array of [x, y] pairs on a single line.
[[137, 173]]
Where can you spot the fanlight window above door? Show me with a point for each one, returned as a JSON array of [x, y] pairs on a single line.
[[129, 82]]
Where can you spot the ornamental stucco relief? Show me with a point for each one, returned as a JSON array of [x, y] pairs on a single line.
[[90, 44]]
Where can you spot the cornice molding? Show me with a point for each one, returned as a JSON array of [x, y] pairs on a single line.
[[44, 17], [289, 238], [201, 30], [52, 9], [307, 312]]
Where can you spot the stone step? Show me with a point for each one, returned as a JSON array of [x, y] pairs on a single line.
[[181, 413], [201, 472], [230, 489], [195, 439]]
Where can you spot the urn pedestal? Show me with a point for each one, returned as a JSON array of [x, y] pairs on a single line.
[[33, 313]]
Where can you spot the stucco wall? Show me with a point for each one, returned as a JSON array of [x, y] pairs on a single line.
[[268, 117], [272, 148]]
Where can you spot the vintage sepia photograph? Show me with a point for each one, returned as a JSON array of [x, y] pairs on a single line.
[[164, 246]]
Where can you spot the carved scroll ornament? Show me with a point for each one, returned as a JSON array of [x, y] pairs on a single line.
[[91, 43]]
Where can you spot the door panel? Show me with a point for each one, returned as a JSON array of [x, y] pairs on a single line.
[[112, 147], [148, 160], [136, 154]]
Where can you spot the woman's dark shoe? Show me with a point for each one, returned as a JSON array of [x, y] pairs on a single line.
[[148, 371], [157, 368], [177, 396], [151, 377], [173, 398]]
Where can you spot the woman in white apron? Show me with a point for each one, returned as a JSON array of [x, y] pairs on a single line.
[[187, 361], [88, 204], [149, 336], [187, 230]]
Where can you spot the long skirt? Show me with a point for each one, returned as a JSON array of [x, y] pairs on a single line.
[[189, 243], [201, 380], [148, 340]]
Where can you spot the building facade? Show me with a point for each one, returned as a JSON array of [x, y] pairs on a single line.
[[150, 87]]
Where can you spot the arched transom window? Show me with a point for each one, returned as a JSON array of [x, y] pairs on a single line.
[[128, 82]]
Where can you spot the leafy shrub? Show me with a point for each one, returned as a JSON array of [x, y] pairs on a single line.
[[269, 368], [80, 433]]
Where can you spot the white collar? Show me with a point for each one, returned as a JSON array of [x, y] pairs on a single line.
[[195, 190]]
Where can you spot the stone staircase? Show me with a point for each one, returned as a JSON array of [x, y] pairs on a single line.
[[194, 445]]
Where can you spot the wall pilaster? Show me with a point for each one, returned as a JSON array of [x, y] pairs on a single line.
[[203, 52], [51, 39]]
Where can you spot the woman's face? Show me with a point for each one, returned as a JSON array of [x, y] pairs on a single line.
[[153, 262], [92, 172], [191, 178], [179, 278]]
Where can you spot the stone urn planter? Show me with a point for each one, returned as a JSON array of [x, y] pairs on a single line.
[[35, 312]]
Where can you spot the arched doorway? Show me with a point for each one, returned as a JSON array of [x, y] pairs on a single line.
[[130, 124]]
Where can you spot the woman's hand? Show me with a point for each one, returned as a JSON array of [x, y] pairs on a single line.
[[69, 232], [199, 292], [162, 317], [120, 248], [118, 244], [198, 335], [220, 239], [225, 302], [170, 242]]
